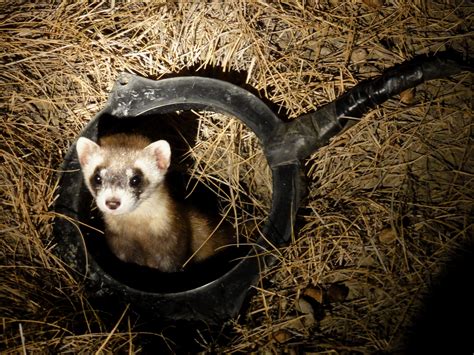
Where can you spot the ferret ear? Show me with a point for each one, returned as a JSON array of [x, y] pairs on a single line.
[[161, 151], [85, 148]]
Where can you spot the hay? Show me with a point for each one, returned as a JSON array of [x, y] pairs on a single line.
[[389, 201]]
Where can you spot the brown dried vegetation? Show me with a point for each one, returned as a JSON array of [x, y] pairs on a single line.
[[389, 200]]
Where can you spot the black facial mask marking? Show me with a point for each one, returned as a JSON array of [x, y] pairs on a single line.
[[137, 182], [96, 180]]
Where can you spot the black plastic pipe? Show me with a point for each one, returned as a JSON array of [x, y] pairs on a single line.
[[284, 144]]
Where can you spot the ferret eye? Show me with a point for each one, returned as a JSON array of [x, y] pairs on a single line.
[[97, 179], [135, 180]]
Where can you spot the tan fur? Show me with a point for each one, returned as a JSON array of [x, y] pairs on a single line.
[[203, 244], [153, 235], [160, 233], [122, 140]]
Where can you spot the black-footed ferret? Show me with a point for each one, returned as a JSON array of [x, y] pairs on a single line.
[[143, 223]]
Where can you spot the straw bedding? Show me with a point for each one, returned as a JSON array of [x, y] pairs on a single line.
[[389, 201]]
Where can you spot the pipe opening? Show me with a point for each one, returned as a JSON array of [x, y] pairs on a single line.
[[218, 167]]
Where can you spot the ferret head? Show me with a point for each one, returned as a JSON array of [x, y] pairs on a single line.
[[120, 178]]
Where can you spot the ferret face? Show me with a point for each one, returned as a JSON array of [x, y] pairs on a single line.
[[119, 177]]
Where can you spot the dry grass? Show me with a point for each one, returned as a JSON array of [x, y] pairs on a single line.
[[389, 200], [228, 154]]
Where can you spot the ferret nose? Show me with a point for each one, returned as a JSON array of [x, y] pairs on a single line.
[[113, 203]]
